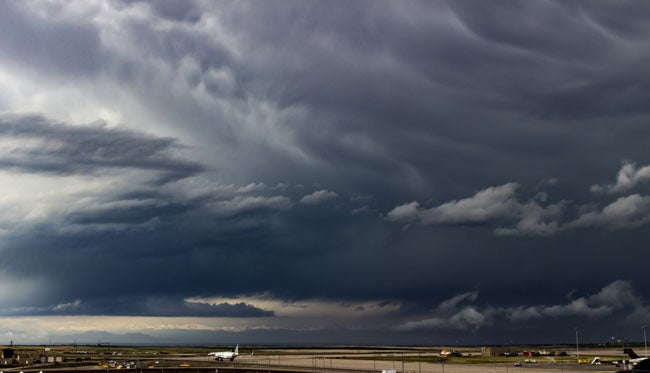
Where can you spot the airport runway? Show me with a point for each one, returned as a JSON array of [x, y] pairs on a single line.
[[324, 364]]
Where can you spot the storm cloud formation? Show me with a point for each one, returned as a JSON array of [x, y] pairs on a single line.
[[388, 172]]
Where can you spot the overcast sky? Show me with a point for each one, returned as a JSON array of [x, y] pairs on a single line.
[[378, 172]]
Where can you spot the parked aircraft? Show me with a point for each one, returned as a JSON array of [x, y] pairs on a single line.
[[636, 364], [222, 355]]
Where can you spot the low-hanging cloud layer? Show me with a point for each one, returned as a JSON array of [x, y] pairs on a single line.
[[398, 172], [501, 205]]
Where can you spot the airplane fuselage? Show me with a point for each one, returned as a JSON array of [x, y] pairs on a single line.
[[225, 355]]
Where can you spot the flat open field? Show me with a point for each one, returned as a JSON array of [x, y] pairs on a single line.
[[422, 361], [315, 360]]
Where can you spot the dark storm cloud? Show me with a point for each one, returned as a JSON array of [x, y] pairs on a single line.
[[126, 214], [64, 149], [389, 88], [617, 301], [177, 10], [49, 40], [456, 158], [397, 87]]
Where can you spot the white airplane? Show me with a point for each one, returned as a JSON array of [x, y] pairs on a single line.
[[221, 356]]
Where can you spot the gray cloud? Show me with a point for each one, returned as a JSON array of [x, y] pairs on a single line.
[[69, 308], [491, 205], [617, 294], [241, 204], [145, 306], [614, 296], [456, 313], [50, 40], [628, 177], [466, 318], [499, 205], [626, 212], [578, 307], [42, 146], [317, 197], [453, 313]]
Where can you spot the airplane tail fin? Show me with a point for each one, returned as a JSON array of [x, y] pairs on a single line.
[[630, 353], [237, 350]]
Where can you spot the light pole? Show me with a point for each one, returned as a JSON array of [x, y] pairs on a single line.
[[645, 343], [577, 346]]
